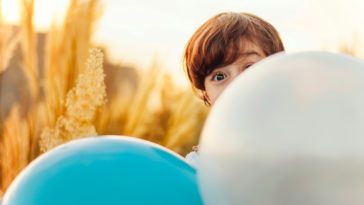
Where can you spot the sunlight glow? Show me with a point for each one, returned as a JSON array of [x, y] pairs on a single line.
[[303, 24], [46, 11], [10, 11]]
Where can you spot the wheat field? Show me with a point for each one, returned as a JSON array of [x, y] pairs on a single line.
[[59, 86]]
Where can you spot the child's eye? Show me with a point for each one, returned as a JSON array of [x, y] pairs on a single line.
[[248, 65], [219, 77]]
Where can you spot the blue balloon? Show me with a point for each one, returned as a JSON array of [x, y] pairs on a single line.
[[106, 170]]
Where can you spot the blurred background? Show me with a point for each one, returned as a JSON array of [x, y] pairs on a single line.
[[53, 88]]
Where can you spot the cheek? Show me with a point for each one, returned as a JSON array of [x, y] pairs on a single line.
[[214, 91]]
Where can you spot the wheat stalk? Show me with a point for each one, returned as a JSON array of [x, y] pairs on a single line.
[[114, 114], [8, 42], [28, 43], [66, 53], [185, 123], [81, 105], [139, 109], [19, 138], [14, 147]]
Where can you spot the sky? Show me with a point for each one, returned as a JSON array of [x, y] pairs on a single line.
[[139, 32]]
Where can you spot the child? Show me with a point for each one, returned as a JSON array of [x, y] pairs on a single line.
[[222, 48]]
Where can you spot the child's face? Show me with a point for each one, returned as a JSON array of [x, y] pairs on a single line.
[[220, 77]]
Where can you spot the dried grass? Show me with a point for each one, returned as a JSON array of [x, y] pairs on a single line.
[[140, 106], [70, 102], [353, 47], [81, 104], [65, 57], [9, 39], [28, 42], [112, 117], [14, 147], [185, 124], [66, 53]]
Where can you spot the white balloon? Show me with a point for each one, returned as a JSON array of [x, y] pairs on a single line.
[[288, 131]]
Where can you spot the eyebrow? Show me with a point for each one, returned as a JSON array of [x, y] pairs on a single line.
[[248, 53], [242, 56]]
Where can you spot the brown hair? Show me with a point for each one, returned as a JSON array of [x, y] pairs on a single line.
[[218, 42]]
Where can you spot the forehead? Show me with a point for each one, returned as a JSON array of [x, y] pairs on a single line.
[[241, 50], [249, 48]]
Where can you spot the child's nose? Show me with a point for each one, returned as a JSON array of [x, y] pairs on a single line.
[[236, 74], [232, 78]]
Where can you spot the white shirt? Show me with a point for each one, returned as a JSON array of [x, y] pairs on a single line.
[[192, 158]]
